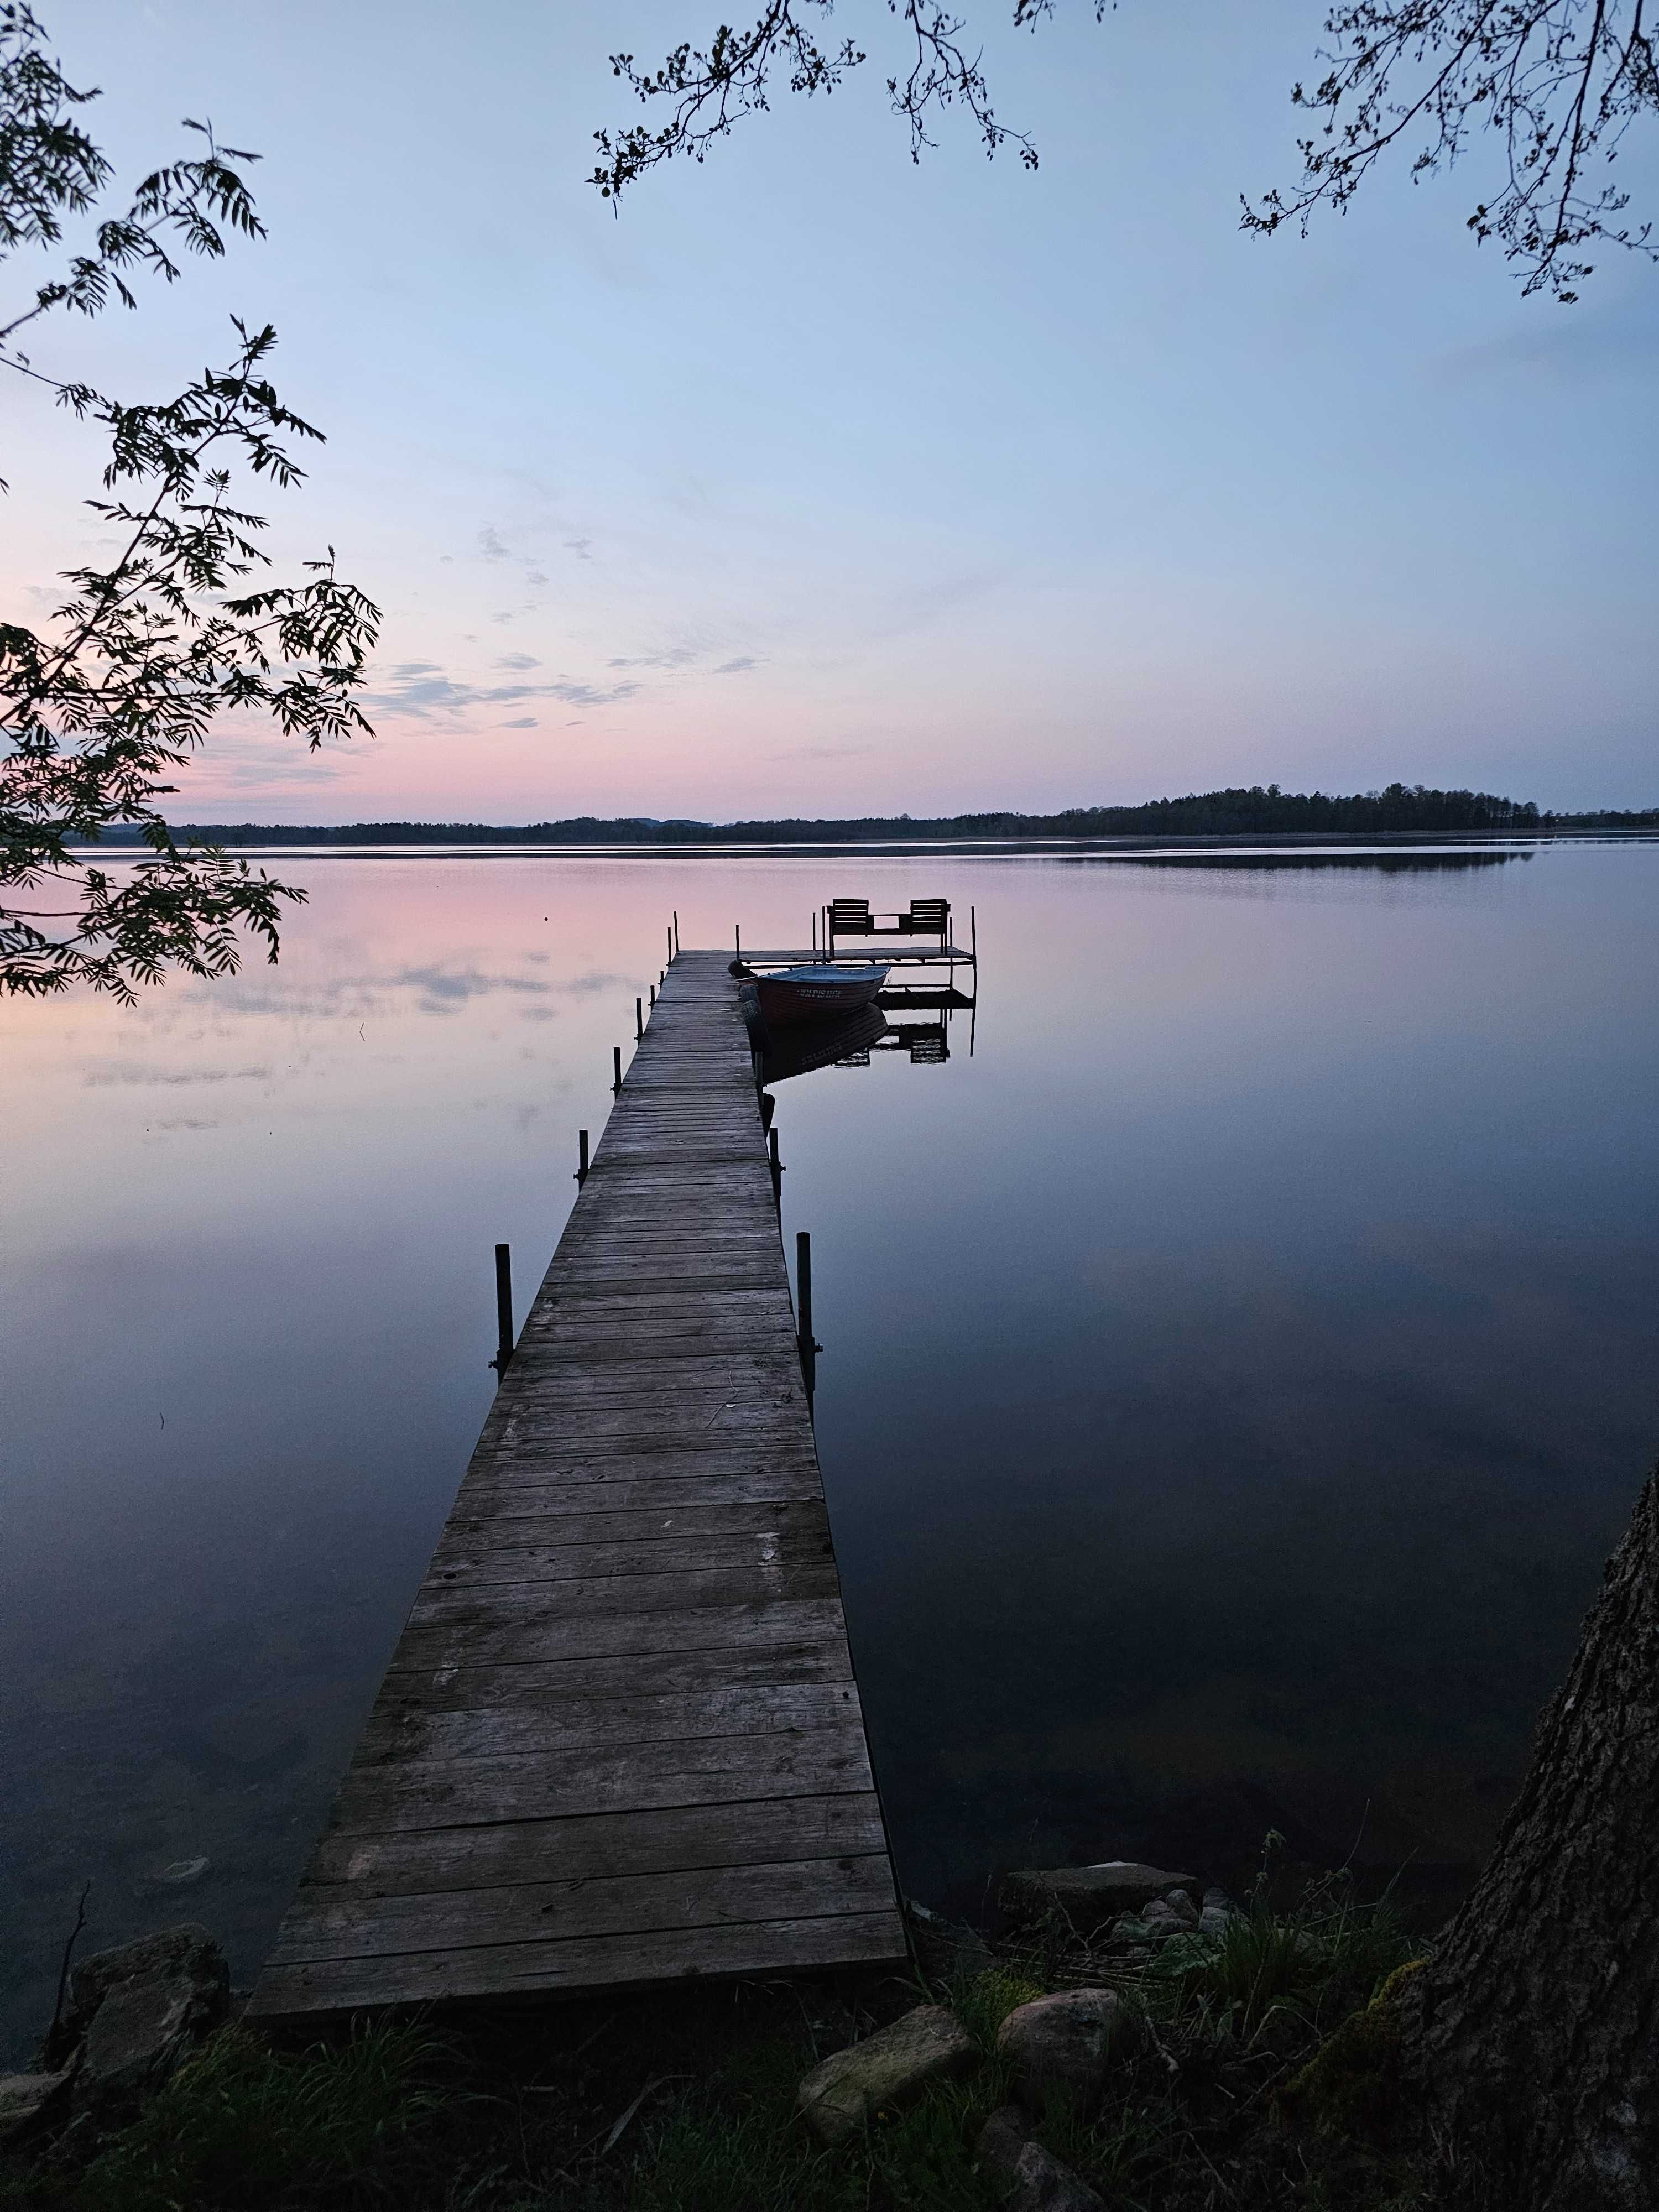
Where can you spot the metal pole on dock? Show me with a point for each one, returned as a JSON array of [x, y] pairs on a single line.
[[616, 1070], [504, 1308], [639, 1019], [777, 1167], [582, 1158]]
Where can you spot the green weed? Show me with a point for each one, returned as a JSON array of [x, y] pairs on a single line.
[[245, 2127], [983, 2002]]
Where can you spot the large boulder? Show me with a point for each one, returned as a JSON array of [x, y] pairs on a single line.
[[1065, 2044], [138, 2012], [26, 2097], [1034, 2179], [842, 2094], [1090, 1896]]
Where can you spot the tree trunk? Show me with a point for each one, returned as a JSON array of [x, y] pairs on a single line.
[[1535, 2029]]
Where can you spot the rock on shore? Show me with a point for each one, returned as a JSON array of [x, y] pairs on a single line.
[[1035, 2179], [1065, 2043], [1090, 1896], [136, 2013], [845, 2091]]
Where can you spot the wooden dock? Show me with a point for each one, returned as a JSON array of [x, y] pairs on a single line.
[[619, 1740]]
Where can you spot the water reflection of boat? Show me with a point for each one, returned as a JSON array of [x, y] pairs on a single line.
[[803, 1046], [816, 992]]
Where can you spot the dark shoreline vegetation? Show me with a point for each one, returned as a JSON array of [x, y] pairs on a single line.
[[1400, 809], [686, 2101]]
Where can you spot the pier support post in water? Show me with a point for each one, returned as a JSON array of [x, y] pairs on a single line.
[[810, 1346], [504, 1308], [639, 1019], [616, 1070], [582, 1158]]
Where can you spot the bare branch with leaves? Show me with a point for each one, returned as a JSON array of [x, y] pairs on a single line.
[[144, 660], [709, 91], [1559, 83]]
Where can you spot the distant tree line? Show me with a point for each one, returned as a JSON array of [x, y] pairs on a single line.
[[1261, 810]]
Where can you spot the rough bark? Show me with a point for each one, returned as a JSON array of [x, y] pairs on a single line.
[[1536, 2027]]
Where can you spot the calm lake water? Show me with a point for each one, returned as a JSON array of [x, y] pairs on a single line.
[[1236, 1370]]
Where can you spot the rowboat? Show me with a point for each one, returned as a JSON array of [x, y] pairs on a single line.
[[817, 993]]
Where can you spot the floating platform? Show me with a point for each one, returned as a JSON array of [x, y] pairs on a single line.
[[854, 950], [619, 1741]]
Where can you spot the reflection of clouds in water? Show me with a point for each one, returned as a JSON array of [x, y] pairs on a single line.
[[443, 989], [105, 1074], [439, 989]]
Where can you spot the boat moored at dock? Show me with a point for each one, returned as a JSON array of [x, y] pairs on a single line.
[[818, 991]]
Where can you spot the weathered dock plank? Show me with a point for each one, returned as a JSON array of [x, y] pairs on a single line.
[[293, 1990], [687, 1837], [620, 1739]]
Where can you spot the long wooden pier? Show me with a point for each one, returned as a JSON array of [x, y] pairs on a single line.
[[619, 1741]]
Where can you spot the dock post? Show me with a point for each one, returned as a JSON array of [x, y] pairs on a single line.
[[639, 1019], [670, 945], [777, 1167], [654, 998], [677, 929], [503, 1309], [737, 938], [616, 1070], [810, 1346], [973, 942], [582, 1158]]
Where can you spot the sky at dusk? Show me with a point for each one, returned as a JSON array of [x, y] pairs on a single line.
[[819, 481]]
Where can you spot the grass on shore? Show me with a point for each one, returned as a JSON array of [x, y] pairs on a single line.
[[684, 2101]]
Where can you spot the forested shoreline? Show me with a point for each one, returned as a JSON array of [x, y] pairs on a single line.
[[1399, 810]]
